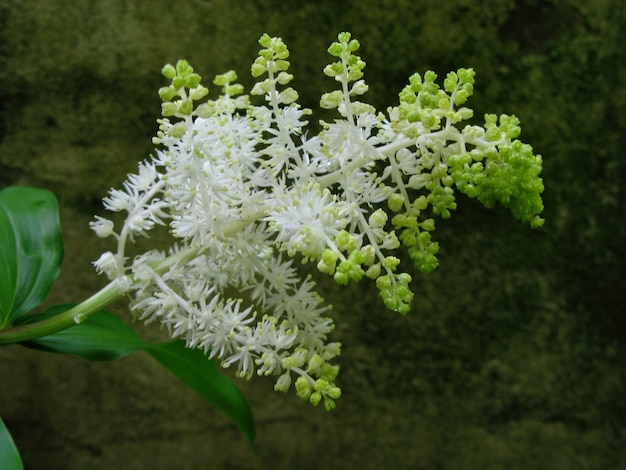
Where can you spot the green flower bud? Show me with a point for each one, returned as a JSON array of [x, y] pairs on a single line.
[[390, 241], [404, 221], [168, 71], [461, 96], [331, 100], [428, 225], [429, 120], [466, 75], [167, 93], [449, 84], [415, 81], [333, 392], [288, 96], [493, 134], [335, 49], [283, 382], [459, 160], [395, 202], [192, 80], [465, 113], [373, 271], [178, 82], [303, 388], [261, 88], [265, 40], [430, 76], [348, 270], [325, 268], [537, 222], [329, 404], [359, 88], [315, 398], [205, 110], [357, 257], [289, 362], [490, 120], [378, 218], [421, 203], [280, 66], [198, 93], [186, 108], [407, 95], [356, 73], [169, 108], [414, 116], [395, 292], [178, 130], [315, 363], [183, 69], [345, 241], [344, 37], [341, 278], [257, 70], [328, 261], [321, 385], [283, 78], [353, 45], [334, 69], [391, 263], [369, 254], [225, 78], [234, 90]]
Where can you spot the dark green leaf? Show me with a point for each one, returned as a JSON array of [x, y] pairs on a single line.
[[31, 250], [105, 337], [9, 456], [192, 367]]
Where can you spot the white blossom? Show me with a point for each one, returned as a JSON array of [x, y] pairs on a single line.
[[244, 191]]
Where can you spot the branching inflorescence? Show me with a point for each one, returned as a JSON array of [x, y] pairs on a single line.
[[245, 191]]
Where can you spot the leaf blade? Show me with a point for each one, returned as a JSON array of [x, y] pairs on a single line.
[[190, 366], [31, 249], [104, 337], [9, 456]]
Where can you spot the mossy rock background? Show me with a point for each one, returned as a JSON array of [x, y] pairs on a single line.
[[514, 354]]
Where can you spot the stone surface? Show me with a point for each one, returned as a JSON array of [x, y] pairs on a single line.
[[513, 355]]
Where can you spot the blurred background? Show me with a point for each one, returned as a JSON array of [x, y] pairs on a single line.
[[514, 354]]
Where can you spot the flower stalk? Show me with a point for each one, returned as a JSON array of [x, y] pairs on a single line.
[[75, 315]]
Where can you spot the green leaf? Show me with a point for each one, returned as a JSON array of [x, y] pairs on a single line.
[[31, 250], [104, 337], [9, 456], [192, 367]]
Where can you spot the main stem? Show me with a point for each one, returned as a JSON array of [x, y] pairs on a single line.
[[81, 312], [75, 315]]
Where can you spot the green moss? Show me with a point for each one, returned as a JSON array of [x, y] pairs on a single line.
[[511, 354]]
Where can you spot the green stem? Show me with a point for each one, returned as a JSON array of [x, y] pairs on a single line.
[[78, 314], [81, 312], [104, 297]]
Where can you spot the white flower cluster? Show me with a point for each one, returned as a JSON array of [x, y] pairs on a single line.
[[243, 191]]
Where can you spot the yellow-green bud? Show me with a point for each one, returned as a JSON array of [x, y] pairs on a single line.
[[395, 202], [315, 398]]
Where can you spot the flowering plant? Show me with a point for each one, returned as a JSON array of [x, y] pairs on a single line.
[[245, 191]]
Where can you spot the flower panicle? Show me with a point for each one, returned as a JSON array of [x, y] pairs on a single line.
[[243, 190]]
